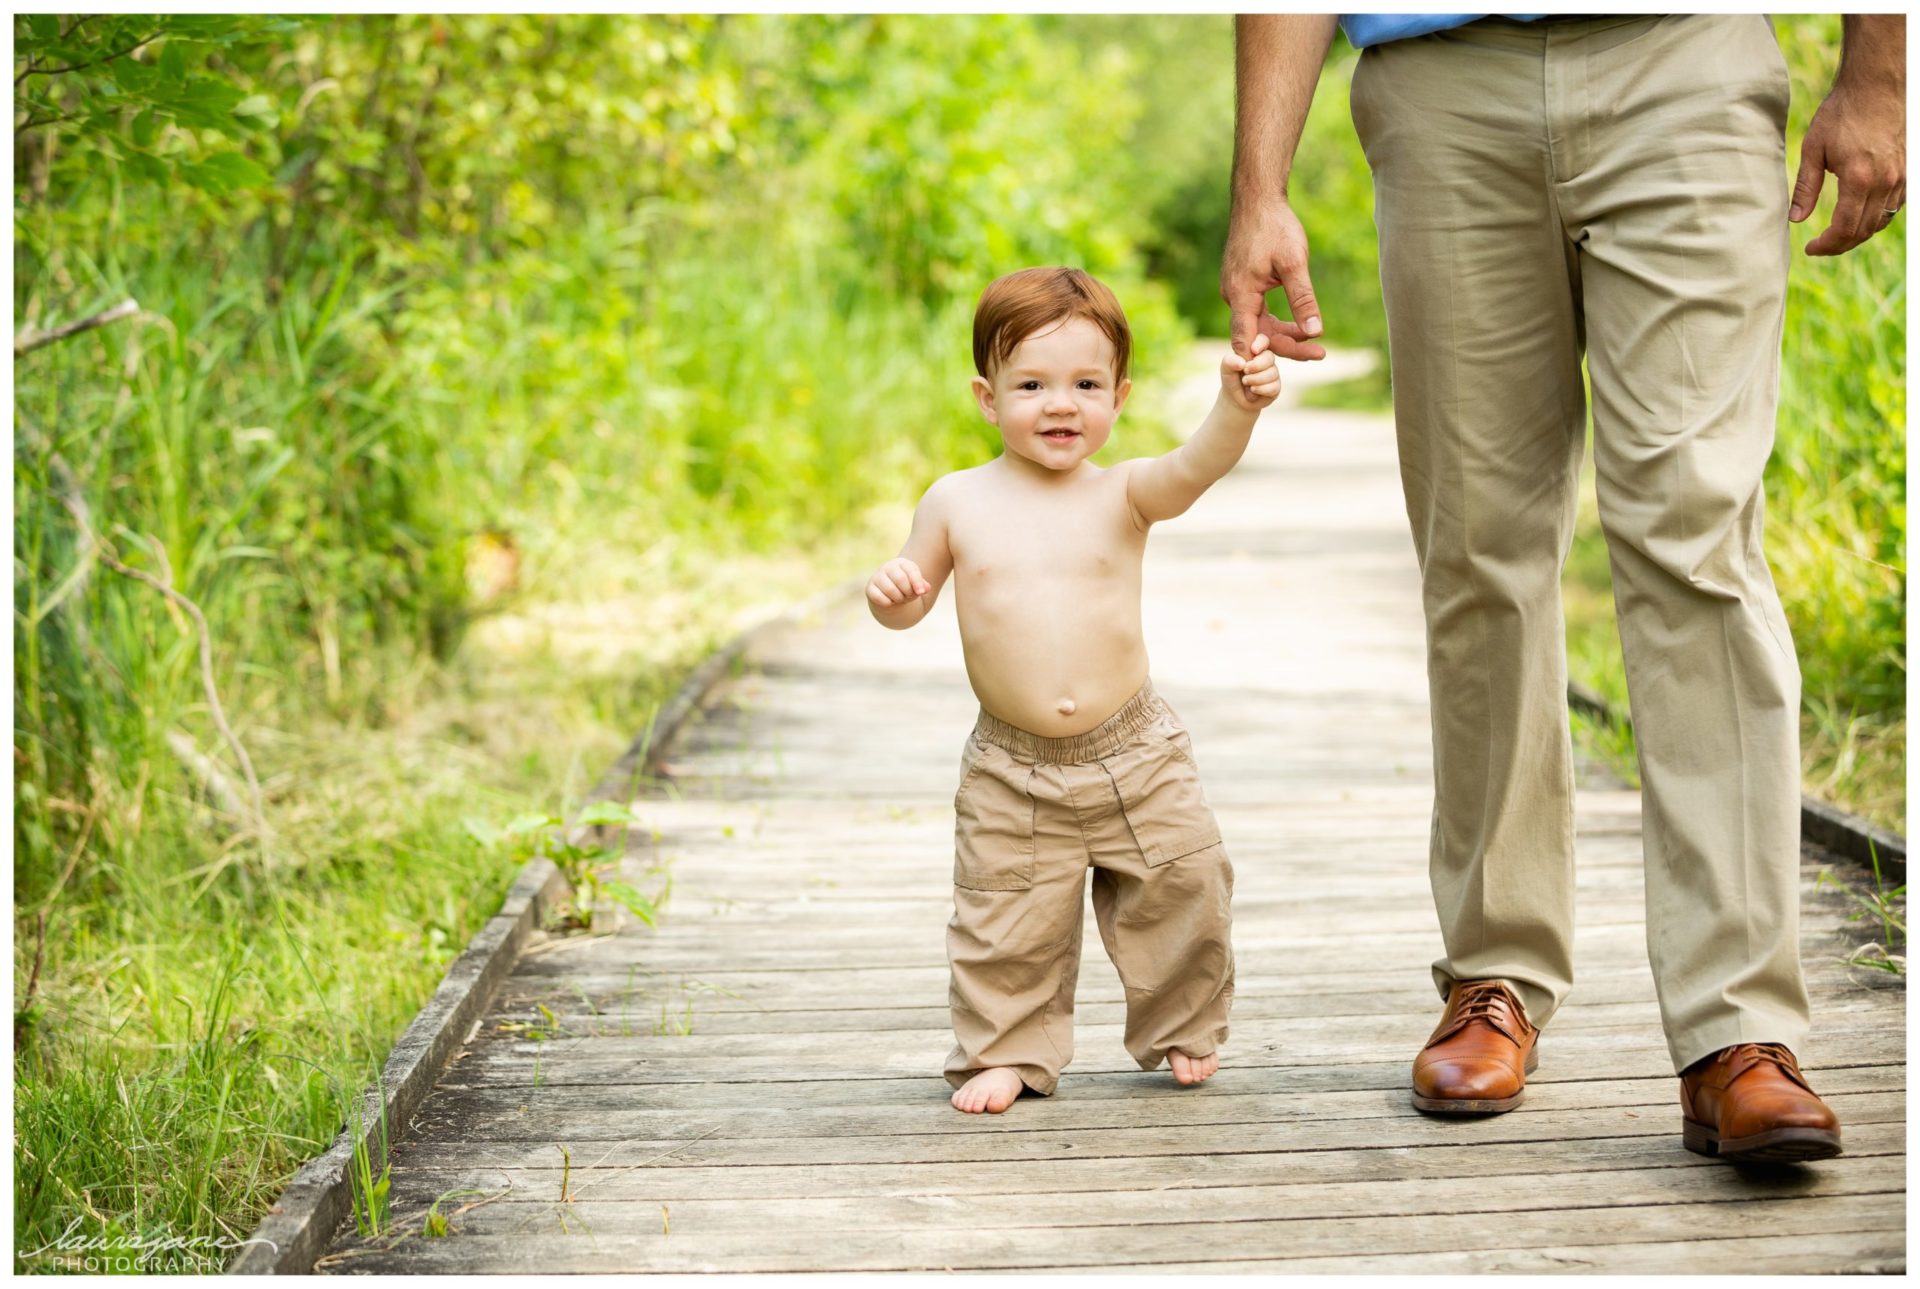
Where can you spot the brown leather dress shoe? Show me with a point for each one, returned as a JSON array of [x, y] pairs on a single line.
[[1479, 1057], [1750, 1103]]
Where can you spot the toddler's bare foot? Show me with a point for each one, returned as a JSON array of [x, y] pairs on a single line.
[[988, 1092], [1193, 1069]]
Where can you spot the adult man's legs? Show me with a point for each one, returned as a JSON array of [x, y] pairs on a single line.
[[1677, 196], [1482, 292], [1656, 144]]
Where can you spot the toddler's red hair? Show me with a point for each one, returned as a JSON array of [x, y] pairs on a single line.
[[1017, 305]]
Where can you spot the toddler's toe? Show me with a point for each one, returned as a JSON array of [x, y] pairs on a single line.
[[1191, 1070]]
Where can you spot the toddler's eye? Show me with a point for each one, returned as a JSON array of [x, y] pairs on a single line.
[[1089, 384], [1028, 384]]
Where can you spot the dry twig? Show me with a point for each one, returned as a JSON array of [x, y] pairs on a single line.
[[28, 341]]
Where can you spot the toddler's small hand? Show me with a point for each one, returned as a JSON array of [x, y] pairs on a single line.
[[898, 581], [1254, 382]]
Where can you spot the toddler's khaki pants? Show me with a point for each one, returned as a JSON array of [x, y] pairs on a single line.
[[1613, 186], [1032, 815]]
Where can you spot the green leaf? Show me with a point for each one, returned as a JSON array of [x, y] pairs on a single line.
[[44, 26], [245, 172], [225, 172], [133, 77], [150, 168], [520, 825], [203, 102], [146, 128], [639, 905], [173, 61], [208, 27], [600, 813], [481, 831]]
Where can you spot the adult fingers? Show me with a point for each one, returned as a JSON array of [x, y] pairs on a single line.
[[1247, 307], [1812, 177], [1882, 208], [1306, 310], [1850, 213], [1288, 341]]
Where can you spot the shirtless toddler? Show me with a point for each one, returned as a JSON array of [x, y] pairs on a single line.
[[1075, 762]]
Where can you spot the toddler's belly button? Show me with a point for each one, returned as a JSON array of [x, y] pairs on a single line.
[[1065, 707]]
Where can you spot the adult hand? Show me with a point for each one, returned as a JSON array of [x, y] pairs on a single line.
[[1859, 133], [1267, 248]]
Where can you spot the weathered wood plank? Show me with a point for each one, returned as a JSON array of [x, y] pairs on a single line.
[[483, 1115], [1276, 946], [1570, 1054], [571, 1063], [1071, 1212], [1852, 1253], [655, 1249], [534, 1174], [1287, 1042], [1629, 1000], [1557, 1133], [764, 991]]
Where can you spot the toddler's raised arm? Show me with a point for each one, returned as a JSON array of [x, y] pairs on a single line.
[[1164, 486], [904, 589]]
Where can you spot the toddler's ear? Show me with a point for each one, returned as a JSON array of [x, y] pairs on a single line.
[[983, 395]]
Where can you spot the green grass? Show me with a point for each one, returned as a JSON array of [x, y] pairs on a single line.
[[1881, 911]]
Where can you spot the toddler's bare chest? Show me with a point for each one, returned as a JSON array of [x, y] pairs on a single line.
[[1009, 552]]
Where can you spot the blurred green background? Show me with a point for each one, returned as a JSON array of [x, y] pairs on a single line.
[[487, 370]]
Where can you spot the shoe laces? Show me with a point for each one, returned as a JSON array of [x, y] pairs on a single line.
[[1777, 1054], [1489, 1001]]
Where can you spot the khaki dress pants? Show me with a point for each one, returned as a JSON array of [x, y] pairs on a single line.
[[1614, 187], [1032, 816]]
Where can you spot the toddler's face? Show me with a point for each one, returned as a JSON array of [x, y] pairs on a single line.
[[1055, 398]]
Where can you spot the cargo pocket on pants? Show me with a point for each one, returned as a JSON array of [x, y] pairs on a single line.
[[993, 823], [1159, 790]]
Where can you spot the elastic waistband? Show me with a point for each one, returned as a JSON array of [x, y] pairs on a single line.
[[1103, 740]]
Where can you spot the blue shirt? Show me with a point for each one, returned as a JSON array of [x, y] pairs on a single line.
[[1365, 29]]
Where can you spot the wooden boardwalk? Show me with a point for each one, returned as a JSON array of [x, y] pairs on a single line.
[[756, 1085]]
